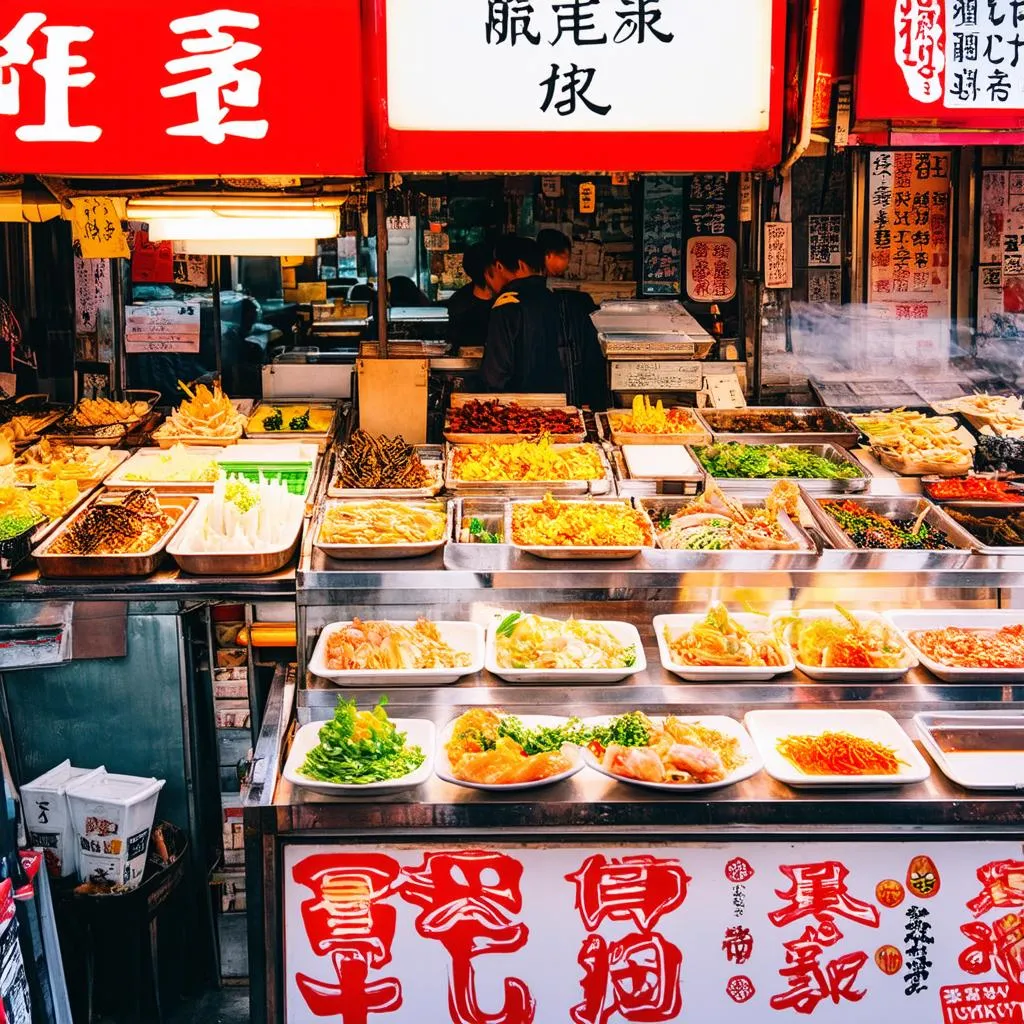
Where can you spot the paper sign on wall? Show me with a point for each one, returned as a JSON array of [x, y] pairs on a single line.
[[96, 226], [824, 240], [648, 375], [162, 327], [711, 268], [778, 254]]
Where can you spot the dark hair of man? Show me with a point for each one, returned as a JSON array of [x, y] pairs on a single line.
[[550, 241], [512, 250], [475, 260]]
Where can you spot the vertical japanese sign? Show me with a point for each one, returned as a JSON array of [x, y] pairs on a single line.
[[985, 54], [838, 933], [211, 91], [663, 236], [711, 224], [909, 249], [1001, 248], [824, 240], [778, 254]]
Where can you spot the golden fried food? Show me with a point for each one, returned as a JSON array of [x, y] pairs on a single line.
[[380, 463], [102, 412], [56, 459], [646, 418], [478, 752], [205, 414], [602, 524], [917, 442], [382, 522], [132, 525], [527, 461]]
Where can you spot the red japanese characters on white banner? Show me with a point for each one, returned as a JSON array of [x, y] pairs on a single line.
[[855, 932], [919, 50]]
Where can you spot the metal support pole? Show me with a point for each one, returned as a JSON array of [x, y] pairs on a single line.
[[382, 274], [119, 364], [215, 288]]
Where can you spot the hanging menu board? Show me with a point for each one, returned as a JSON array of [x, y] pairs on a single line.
[[162, 327], [663, 236], [909, 253], [711, 222]]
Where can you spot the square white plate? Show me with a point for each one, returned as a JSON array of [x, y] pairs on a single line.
[[419, 732], [852, 675], [460, 636], [443, 766], [716, 673], [768, 727], [626, 633], [724, 725], [659, 462], [908, 622], [979, 768]]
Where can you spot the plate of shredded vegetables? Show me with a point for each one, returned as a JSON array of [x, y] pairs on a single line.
[[836, 747], [524, 648], [361, 753], [720, 647], [495, 752], [421, 653], [537, 460], [580, 529], [966, 645], [382, 528], [704, 752], [734, 460], [836, 644]]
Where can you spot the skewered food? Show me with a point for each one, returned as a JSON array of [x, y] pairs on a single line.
[[177, 465], [382, 522], [646, 418], [245, 517], [534, 642], [1005, 531], [476, 417], [56, 459], [634, 746], [361, 747], [295, 419], [130, 525], [601, 524], [973, 648], [844, 642], [973, 488], [839, 753], [385, 645], [768, 461], [494, 749], [526, 461], [869, 529], [103, 412], [715, 522], [205, 413], [719, 640], [368, 463]]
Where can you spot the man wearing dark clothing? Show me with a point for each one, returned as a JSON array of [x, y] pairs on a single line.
[[469, 309], [522, 352]]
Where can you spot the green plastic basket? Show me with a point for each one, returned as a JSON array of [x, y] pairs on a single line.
[[295, 475]]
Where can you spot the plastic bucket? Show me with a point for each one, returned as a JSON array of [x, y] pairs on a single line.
[[44, 807], [112, 816]]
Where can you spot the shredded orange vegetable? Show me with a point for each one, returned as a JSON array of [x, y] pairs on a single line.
[[839, 753], [535, 460], [551, 523]]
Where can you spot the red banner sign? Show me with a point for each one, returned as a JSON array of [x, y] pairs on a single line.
[[570, 87], [121, 88], [948, 63]]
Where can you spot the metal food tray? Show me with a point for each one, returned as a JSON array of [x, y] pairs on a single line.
[[654, 508], [107, 566], [607, 432], [375, 552], [636, 487], [577, 437], [563, 553], [532, 489], [721, 422], [902, 507], [663, 346], [985, 509], [319, 437], [928, 483], [118, 481], [763, 485], [496, 514], [432, 460], [86, 484]]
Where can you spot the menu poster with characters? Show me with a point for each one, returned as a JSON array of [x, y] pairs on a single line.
[[1002, 243], [908, 233], [881, 932]]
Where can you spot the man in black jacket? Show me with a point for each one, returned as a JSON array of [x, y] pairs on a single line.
[[522, 352]]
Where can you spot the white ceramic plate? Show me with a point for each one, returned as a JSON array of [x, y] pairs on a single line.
[[977, 768], [715, 673], [418, 733], [461, 636], [443, 766], [768, 727], [659, 462], [852, 675], [624, 632], [726, 726], [908, 622]]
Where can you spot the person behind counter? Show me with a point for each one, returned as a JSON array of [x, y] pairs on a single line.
[[557, 249], [523, 337], [469, 309]]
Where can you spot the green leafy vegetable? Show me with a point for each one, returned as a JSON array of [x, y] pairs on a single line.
[[299, 422], [275, 421], [630, 656], [628, 730], [478, 530], [508, 624], [543, 739], [664, 521], [360, 747], [770, 462]]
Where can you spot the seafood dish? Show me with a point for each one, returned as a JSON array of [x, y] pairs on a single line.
[[715, 522], [957, 647], [384, 463], [537, 460], [843, 640], [382, 522], [737, 461], [720, 640], [871, 530], [390, 646], [553, 523], [1005, 530], [648, 418], [488, 748], [206, 414], [524, 641], [494, 417], [131, 524]]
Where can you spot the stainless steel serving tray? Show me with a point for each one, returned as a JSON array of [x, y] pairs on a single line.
[[895, 507], [432, 461], [375, 552], [521, 489], [607, 431], [563, 553], [844, 434], [985, 509], [55, 566], [759, 486]]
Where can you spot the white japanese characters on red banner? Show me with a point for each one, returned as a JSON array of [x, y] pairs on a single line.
[[824, 240], [838, 932], [711, 268], [908, 271], [778, 254]]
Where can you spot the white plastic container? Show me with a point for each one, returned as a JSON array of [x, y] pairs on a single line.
[[44, 807], [112, 816]]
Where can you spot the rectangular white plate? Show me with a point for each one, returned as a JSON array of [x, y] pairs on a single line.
[[768, 727], [852, 675], [624, 632], [715, 673], [461, 636], [418, 733], [723, 724], [443, 766], [975, 769], [908, 622], [659, 462]]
